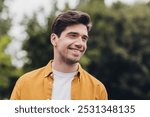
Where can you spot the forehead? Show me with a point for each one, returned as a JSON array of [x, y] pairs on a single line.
[[78, 28]]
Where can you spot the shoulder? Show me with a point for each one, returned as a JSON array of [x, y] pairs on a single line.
[[39, 72], [97, 85], [26, 82], [90, 77], [91, 81], [84, 75], [35, 74]]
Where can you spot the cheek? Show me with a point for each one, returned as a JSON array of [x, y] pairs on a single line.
[[85, 46], [62, 45]]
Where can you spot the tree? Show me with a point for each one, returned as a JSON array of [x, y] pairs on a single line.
[[8, 73], [37, 44]]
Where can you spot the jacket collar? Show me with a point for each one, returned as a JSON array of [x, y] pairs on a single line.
[[48, 70]]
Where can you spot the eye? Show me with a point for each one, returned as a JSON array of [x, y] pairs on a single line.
[[73, 35], [85, 38]]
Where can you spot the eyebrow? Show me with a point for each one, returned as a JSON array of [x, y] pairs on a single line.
[[78, 34]]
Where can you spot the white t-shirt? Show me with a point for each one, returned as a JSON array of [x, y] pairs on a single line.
[[62, 85]]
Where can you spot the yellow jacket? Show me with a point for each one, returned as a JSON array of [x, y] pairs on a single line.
[[38, 84]]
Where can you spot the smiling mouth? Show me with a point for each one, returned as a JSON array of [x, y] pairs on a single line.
[[76, 50]]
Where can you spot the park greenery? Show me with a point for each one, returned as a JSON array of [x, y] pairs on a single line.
[[8, 72], [118, 51]]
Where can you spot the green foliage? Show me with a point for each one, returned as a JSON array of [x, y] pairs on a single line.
[[1, 5], [4, 40], [37, 44], [8, 73]]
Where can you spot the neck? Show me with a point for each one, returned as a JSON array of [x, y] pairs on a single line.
[[63, 67]]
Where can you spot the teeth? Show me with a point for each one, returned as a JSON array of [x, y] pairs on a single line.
[[77, 50], [74, 49]]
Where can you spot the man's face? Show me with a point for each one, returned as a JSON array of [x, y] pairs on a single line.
[[71, 44]]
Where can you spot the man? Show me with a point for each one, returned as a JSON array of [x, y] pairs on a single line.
[[63, 78]]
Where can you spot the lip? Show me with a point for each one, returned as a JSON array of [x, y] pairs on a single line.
[[76, 50]]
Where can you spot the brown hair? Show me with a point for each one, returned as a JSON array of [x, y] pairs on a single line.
[[70, 18]]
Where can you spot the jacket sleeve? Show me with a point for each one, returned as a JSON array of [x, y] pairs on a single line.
[[101, 92]]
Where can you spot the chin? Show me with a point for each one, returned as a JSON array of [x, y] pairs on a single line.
[[71, 61]]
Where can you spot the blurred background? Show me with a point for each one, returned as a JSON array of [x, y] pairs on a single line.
[[118, 49]]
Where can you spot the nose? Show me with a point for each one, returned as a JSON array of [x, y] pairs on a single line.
[[79, 43]]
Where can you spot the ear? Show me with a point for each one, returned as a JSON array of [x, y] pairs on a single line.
[[53, 39]]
